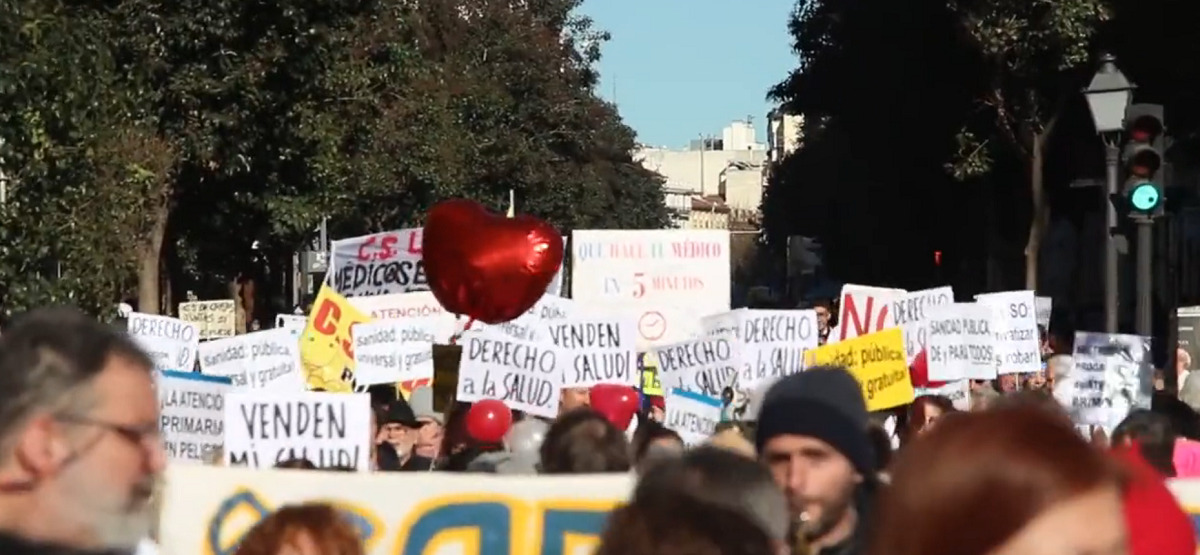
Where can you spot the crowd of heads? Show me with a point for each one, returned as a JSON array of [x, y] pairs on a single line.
[[811, 471]]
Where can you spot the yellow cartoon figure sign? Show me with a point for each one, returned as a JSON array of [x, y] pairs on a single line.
[[326, 346]]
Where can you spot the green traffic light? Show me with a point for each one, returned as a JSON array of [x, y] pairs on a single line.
[[1144, 197]]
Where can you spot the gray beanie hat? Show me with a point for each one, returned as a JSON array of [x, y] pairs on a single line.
[[825, 403]]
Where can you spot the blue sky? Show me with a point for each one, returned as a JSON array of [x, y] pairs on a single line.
[[682, 68]]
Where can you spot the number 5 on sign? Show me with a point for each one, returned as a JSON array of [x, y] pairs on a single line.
[[639, 285]]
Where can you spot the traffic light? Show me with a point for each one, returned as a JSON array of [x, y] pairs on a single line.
[[1143, 159]]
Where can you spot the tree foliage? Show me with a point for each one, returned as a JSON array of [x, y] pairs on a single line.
[[206, 137], [958, 132]]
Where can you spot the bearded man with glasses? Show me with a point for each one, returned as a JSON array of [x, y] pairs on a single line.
[[80, 449]]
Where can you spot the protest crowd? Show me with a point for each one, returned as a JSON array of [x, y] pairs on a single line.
[[639, 415]]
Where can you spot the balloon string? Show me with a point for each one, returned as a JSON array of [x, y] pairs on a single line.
[[454, 338]]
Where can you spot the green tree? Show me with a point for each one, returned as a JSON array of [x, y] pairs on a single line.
[[1035, 56]]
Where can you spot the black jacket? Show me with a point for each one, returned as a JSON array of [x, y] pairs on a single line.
[[856, 544]]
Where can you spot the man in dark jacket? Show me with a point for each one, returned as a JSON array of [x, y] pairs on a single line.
[[812, 435]]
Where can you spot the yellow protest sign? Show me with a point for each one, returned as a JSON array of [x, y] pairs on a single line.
[[326, 347], [878, 363], [648, 364]]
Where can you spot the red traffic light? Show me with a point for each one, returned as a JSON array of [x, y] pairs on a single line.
[[1145, 129], [1145, 162], [937, 258]]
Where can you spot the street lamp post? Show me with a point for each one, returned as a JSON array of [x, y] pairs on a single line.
[[1108, 96]]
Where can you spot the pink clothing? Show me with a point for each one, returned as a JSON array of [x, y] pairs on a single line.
[[1187, 458]]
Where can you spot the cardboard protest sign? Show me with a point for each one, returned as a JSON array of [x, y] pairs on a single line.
[[909, 312], [693, 416], [405, 306], [378, 264], [329, 429], [599, 350], [877, 361], [327, 345], [1018, 347], [960, 342], [215, 319], [191, 414], [704, 366], [527, 376], [170, 342], [265, 360]]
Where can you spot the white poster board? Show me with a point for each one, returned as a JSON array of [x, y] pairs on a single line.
[[267, 360], [191, 414], [328, 429], [170, 342]]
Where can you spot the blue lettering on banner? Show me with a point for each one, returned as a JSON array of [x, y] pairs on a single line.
[[476, 524]]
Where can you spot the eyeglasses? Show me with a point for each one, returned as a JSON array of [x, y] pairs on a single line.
[[145, 435]]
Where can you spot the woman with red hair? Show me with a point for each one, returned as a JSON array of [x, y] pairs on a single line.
[[1006, 481]]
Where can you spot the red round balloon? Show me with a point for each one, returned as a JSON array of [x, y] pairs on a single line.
[[918, 373], [484, 265], [618, 403], [488, 421]]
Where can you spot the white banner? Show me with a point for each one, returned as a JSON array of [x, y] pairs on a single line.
[[208, 510], [378, 264], [393, 351], [192, 414], [770, 344], [170, 342], [667, 279]]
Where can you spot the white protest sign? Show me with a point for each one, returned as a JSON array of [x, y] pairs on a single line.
[[191, 414], [725, 324], [958, 392], [388, 351], [1111, 375], [772, 343], [556, 284], [526, 327], [599, 350], [403, 306], [267, 360], [704, 366], [378, 264], [329, 429], [693, 416], [961, 344], [908, 312], [523, 374], [291, 321], [1045, 307], [667, 278], [863, 310], [1018, 349], [170, 342]]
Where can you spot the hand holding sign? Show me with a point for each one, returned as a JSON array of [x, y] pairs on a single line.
[[486, 266]]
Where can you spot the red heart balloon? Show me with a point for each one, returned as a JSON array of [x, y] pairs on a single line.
[[918, 373], [618, 403], [484, 265], [488, 421]]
